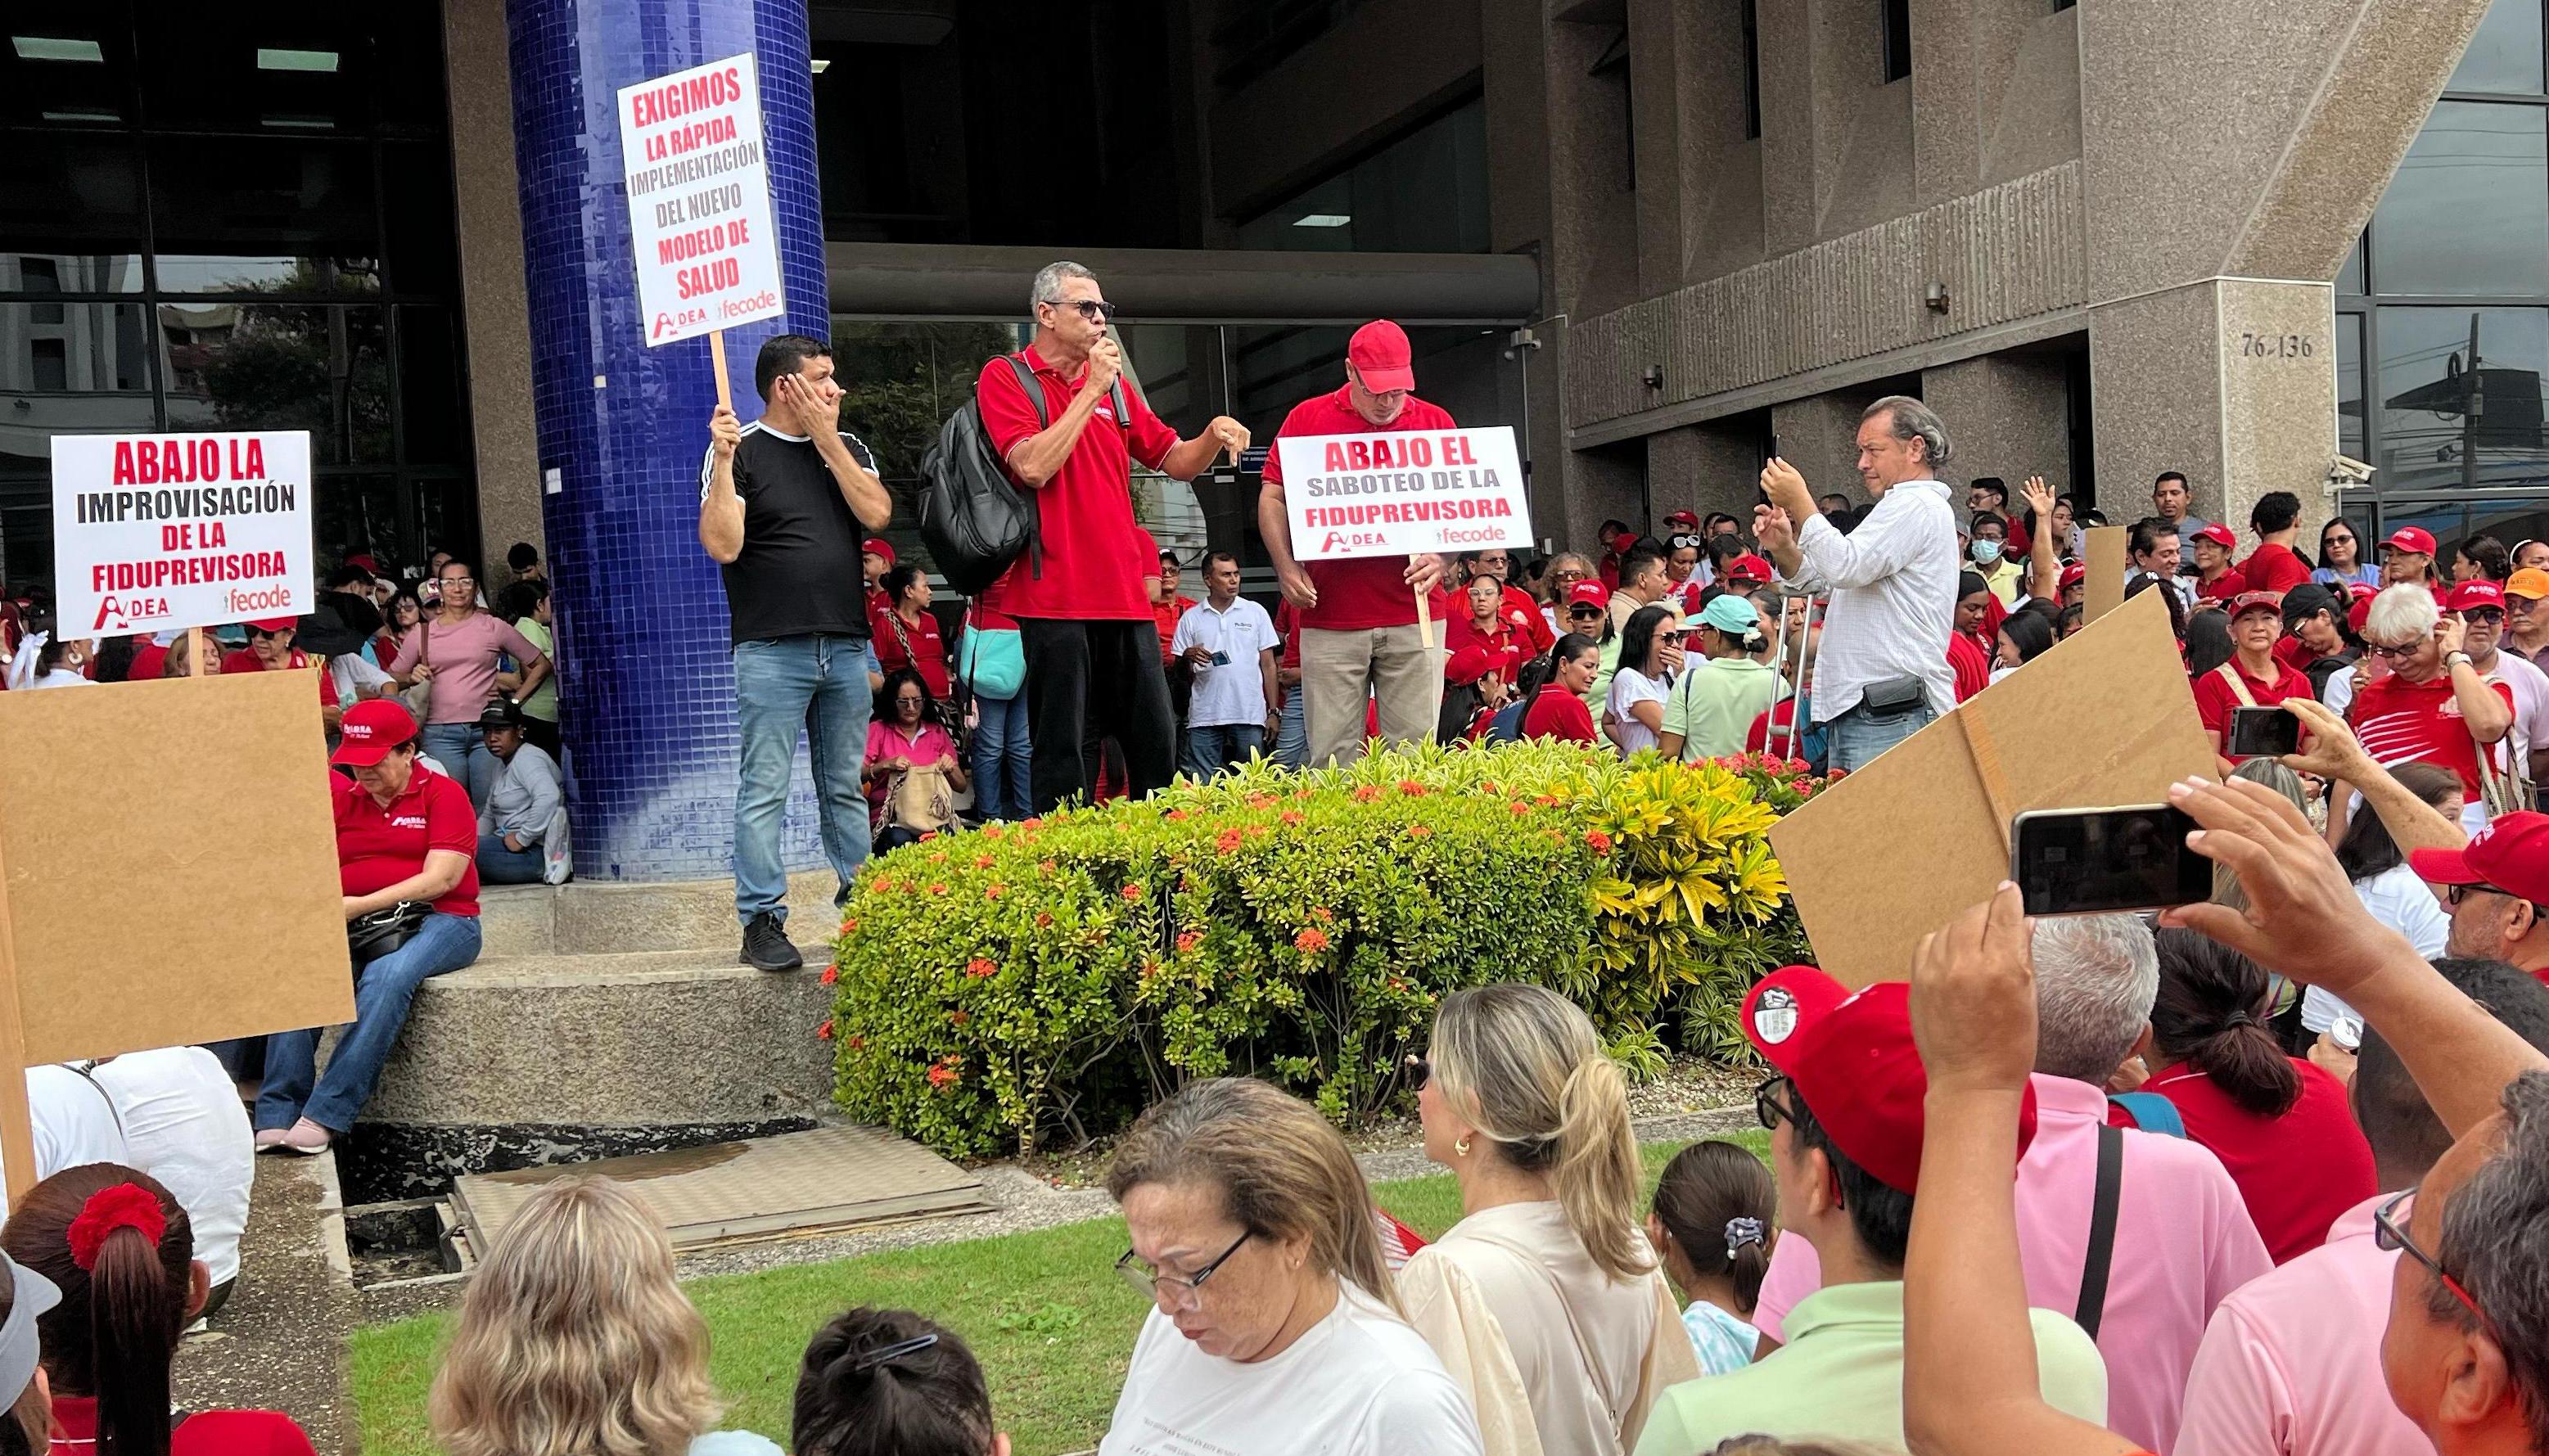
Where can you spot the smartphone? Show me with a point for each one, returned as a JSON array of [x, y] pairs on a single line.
[[2098, 862], [2265, 732], [1221, 659]]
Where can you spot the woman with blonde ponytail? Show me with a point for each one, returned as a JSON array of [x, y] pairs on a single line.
[[1545, 1298]]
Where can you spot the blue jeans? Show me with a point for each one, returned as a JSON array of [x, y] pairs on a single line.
[[498, 864], [1292, 743], [461, 750], [816, 685], [1209, 750], [382, 990], [1855, 739], [1001, 757]]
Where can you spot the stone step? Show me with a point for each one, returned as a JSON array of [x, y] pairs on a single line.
[[602, 917]]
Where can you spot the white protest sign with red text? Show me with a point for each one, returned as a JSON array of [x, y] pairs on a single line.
[[1403, 492], [698, 200], [153, 533]]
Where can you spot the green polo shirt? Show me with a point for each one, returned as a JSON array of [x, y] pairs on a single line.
[[1713, 705], [1840, 1377]]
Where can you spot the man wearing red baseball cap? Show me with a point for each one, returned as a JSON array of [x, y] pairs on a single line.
[[1844, 1116], [2253, 678], [2073, 586], [2214, 581], [2482, 608], [1359, 640], [875, 558], [2497, 887]]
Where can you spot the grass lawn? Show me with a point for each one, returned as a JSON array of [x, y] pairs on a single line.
[[1051, 1325]]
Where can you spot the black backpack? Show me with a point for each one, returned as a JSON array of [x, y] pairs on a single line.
[[974, 518]]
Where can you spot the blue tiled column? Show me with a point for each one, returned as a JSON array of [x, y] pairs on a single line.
[[647, 683]]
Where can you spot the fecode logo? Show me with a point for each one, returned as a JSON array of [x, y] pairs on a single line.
[[253, 602]]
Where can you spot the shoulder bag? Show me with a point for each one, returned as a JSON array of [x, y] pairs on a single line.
[[418, 699], [2239, 685], [370, 937]]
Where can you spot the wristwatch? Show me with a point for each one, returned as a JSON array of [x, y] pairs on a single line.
[[2456, 659]]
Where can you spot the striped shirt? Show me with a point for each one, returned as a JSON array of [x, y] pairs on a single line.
[[2404, 722]]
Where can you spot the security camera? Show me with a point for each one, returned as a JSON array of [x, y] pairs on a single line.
[[2345, 470]]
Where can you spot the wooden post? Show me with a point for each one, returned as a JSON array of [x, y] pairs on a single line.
[[17, 1125], [194, 651], [1424, 620], [716, 356]]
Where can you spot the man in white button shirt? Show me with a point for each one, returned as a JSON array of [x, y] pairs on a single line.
[[1228, 643], [1881, 674]]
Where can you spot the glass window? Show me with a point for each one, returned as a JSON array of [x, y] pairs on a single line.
[[66, 63], [76, 196], [2349, 274], [900, 382], [430, 409], [422, 231], [282, 366], [2349, 384], [2469, 210], [77, 367], [278, 66], [1898, 38], [2436, 413], [240, 215], [2505, 54], [1427, 192], [354, 514]]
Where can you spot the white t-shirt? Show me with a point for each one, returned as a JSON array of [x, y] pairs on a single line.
[[74, 1122], [1628, 685], [184, 1125], [2399, 900], [1358, 1382], [1231, 695], [2531, 689]]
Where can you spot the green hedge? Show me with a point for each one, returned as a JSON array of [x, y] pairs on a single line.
[[1042, 982]]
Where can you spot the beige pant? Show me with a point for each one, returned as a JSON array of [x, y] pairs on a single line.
[[1340, 669]]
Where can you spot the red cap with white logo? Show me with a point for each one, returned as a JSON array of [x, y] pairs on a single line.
[[371, 728]]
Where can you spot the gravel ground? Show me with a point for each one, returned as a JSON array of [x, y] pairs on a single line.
[[278, 1343]]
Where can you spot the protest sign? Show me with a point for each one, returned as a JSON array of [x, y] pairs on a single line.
[[698, 179], [1403, 492], [156, 532], [230, 856], [1889, 853]]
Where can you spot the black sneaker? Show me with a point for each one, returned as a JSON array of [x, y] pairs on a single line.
[[766, 946]]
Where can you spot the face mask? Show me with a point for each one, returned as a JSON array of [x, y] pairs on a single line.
[[1986, 552]]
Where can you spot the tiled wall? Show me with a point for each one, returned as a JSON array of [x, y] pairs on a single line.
[[642, 617]]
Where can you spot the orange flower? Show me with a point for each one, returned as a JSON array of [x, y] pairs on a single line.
[[1044, 919], [956, 1018], [1836, 776], [856, 1044], [1418, 830], [1229, 840], [1291, 816], [983, 861], [996, 831], [831, 973], [938, 889], [1189, 940], [1411, 788], [1151, 969], [1037, 823], [1320, 914], [1489, 787], [995, 890], [850, 927], [824, 1031], [1134, 891], [1179, 816], [1046, 867], [1801, 785], [1520, 808], [1260, 800], [942, 1077], [1600, 842], [1310, 941], [977, 968], [1547, 800]]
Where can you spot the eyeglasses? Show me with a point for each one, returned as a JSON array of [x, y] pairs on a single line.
[[1151, 1281], [2393, 654], [2390, 1234], [1091, 309], [1768, 1107], [459, 581], [912, 699], [2453, 894], [1569, 575]]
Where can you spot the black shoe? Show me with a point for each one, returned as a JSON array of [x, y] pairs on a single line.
[[766, 946]]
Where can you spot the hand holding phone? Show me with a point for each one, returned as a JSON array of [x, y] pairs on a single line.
[[2102, 861], [2264, 732]]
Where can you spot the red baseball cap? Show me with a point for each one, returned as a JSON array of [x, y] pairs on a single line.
[[365, 562], [2358, 615], [2248, 601], [2219, 535], [2072, 576], [2409, 538], [1588, 592], [2511, 855], [1683, 519], [1748, 568], [1851, 1059], [1466, 665], [878, 546], [1378, 352], [370, 729], [2476, 594], [272, 625]]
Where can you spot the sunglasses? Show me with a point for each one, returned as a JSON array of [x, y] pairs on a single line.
[[2485, 617], [1091, 309], [2390, 1234]]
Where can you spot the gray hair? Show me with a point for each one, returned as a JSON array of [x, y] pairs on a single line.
[[1047, 288], [2283, 780], [2402, 614], [2095, 977], [1914, 421], [2496, 1240]]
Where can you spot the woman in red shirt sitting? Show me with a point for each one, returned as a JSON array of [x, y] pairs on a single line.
[[122, 1253], [1559, 711], [2280, 1125], [906, 635]]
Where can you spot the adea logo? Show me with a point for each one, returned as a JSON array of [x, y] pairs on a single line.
[[1335, 540]]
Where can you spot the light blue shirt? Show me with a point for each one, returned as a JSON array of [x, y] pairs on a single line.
[[1723, 1342]]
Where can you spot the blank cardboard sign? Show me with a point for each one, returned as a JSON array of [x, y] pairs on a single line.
[[170, 863], [1890, 853]]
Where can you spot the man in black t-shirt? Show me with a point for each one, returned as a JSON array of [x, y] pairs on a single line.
[[784, 505]]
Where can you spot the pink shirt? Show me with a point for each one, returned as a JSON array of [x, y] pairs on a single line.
[[2291, 1363], [463, 659], [2183, 1244]]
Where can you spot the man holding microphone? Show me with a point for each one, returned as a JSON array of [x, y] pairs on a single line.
[[1360, 638]]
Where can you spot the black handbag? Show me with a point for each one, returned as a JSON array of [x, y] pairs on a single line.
[[370, 937]]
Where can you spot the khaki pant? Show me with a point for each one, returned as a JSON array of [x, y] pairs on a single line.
[[1340, 669]]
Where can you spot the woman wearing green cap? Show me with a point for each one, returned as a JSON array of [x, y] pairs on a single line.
[[1719, 697]]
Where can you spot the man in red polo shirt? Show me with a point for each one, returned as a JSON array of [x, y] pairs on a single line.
[[875, 558], [1085, 623], [2275, 566], [2253, 678], [269, 649], [1358, 633]]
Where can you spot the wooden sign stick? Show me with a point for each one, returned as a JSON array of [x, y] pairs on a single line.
[[1425, 621], [194, 653], [716, 356]]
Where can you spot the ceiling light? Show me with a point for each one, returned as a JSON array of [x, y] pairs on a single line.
[[303, 123], [270, 59], [87, 113], [1322, 219], [46, 48], [821, 65]]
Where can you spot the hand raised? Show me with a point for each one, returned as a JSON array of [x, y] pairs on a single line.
[[1786, 488]]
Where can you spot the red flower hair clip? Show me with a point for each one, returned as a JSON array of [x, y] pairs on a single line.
[[123, 1206]]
